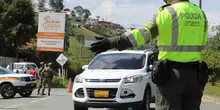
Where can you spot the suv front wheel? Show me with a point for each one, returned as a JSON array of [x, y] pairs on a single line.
[[146, 100], [7, 91]]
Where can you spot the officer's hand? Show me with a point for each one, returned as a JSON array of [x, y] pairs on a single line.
[[101, 45]]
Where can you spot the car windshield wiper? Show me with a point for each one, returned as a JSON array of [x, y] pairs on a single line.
[[112, 68]]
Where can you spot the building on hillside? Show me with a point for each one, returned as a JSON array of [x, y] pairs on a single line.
[[68, 12], [92, 22], [106, 23]]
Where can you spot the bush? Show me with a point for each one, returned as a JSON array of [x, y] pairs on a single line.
[[58, 82]]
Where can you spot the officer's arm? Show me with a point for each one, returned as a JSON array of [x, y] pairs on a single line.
[[135, 37]]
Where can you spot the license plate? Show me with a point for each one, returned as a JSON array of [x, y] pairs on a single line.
[[101, 94]]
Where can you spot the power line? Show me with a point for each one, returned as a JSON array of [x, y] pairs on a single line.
[[200, 4]]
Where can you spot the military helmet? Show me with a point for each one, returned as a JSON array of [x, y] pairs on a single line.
[[49, 64], [41, 63]]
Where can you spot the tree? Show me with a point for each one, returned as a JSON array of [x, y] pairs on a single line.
[[83, 13], [17, 21], [73, 13], [211, 54], [56, 5], [41, 5], [86, 13], [79, 10]]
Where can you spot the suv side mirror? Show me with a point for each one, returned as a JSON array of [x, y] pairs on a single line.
[[84, 67], [150, 68]]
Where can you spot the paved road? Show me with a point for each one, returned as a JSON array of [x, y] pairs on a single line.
[[61, 100]]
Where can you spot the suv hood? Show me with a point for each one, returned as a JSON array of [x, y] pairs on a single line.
[[108, 74], [16, 75]]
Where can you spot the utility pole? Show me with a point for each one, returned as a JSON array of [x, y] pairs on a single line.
[[200, 4], [80, 49]]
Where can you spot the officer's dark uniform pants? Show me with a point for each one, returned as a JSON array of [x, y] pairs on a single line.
[[183, 92], [47, 82], [40, 86]]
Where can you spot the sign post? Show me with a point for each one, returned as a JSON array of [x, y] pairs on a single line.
[[61, 60]]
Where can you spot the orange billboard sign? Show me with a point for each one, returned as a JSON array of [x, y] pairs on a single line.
[[51, 32]]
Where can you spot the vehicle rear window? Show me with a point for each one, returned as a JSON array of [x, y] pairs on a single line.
[[31, 66], [118, 61]]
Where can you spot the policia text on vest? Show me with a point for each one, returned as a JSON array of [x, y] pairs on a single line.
[[191, 19], [181, 30]]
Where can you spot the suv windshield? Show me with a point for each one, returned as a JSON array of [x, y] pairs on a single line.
[[19, 66], [118, 61], [5, 71]]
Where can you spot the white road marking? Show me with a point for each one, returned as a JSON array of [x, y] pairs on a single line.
[[34, 101], [41, 99], [13, 106]]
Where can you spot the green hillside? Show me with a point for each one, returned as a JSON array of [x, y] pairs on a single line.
[[75, 59], [87, 33]]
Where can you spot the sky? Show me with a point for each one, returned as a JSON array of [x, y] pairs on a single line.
[[135, 13]]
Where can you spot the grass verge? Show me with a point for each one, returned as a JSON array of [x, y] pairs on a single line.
[[212, 90], [87, 33]]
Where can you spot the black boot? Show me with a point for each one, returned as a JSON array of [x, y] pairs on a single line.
[[43, 94], [49, 92]]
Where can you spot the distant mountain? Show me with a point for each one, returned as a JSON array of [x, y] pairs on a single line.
[[135, 25]]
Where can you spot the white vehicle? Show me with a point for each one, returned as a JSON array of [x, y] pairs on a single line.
[[22, 67], [12, 83], [116, 79]]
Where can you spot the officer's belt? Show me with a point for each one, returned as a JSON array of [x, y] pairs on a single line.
[[180, 65]]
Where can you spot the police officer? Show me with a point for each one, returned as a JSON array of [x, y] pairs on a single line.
[[181, 30], [40, 76], [47, 80]]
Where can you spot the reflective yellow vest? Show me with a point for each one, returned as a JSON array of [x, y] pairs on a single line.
[[181, 30]]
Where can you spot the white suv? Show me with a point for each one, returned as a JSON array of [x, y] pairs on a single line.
[[116, 79], [12, 83], [22, 67]]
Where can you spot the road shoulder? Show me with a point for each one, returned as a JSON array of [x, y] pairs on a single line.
[[213, 99]]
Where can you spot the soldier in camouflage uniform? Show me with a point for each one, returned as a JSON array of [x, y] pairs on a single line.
[[40, 76], [47, 80]]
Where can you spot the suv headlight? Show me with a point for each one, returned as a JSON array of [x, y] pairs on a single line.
[[21, 79], [133, 79], [78, 79]]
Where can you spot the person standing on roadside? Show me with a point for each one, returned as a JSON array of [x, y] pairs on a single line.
[[40, 76], [47, 80], [33, 72], [181, 30]]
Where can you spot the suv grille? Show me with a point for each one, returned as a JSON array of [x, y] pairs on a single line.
[[28, 79], [112, 92], [102, 80]]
